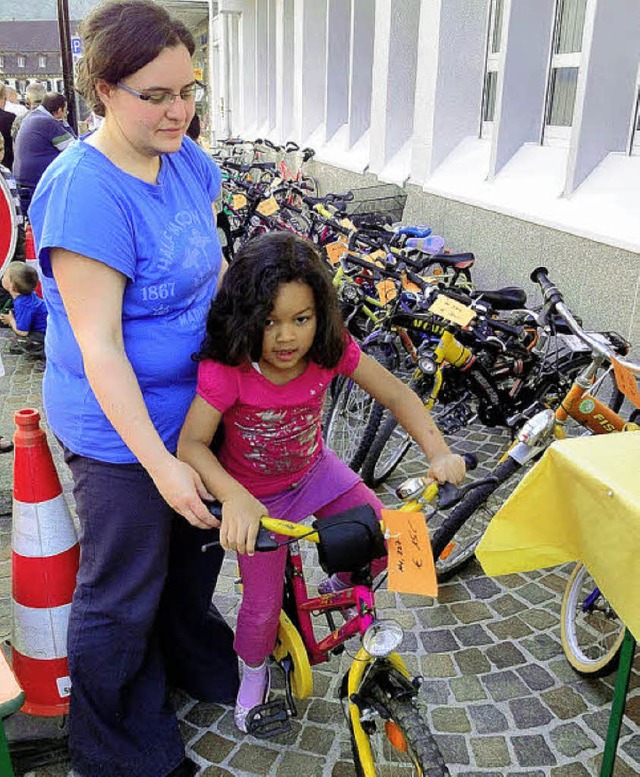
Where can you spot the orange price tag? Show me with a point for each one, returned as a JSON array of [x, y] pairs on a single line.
[[239, 201], [409, 285], [348, 224], [377, 257], [452, 310], [626, 382], [411, 567], [386, 291], [335, 251], [268, 207]]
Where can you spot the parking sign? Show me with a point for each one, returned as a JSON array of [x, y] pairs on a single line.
[[76, 47]]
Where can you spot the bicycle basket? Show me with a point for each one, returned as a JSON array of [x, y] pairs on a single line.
[[349, 540], [382, 203]]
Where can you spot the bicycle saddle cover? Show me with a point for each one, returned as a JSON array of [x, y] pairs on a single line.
[[349, 540], [508, 298]]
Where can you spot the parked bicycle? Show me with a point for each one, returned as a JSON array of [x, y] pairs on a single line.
[[591, 632]]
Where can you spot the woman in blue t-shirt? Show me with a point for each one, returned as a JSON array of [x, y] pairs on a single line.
[[130, 260]]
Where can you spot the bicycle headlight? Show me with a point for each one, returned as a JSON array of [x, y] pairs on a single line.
[[427, 365], [382, 638]]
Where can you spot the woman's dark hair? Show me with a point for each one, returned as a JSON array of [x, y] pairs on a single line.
[[120, 37], [238, 314]]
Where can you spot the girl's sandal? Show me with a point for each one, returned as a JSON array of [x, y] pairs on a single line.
[[6, 446]]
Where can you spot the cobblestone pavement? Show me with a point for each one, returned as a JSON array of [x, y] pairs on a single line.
[[501, 697]]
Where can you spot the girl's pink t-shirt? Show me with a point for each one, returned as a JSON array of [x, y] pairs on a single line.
[[272, 434]]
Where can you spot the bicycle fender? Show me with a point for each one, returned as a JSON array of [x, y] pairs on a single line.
[[289, 642], [354, 679]]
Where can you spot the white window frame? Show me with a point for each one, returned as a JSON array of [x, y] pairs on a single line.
[[634, 144], [42, 60], [556, 134], [22, 60], [492, 63]]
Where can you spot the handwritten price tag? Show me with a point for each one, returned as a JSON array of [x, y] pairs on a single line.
[[335, 251], [411, 567], [452, 310], [239, 201], [378, 257], [626, 382], [386, 291], [268, 207]]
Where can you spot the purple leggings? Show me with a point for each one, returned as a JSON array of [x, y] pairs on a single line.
[[263, 577]]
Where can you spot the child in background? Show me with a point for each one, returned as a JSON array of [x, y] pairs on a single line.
[[28, 319], [275, 339]]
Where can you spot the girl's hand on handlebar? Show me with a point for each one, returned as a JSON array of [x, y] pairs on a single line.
[[241, 516], [183, 490], [448, 468]]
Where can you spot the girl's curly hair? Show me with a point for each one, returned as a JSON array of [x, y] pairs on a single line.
[[246, 297]]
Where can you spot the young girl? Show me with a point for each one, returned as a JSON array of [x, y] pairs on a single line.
[[275, 339]]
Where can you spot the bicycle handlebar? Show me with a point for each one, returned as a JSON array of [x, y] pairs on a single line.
[[555, 301]]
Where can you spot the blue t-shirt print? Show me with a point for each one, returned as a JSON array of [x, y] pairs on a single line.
[[30, 313]]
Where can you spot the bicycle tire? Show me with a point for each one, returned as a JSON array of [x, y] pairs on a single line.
[[391, 439], [592, 637], [351, 412], [410, 729], [451, 531]]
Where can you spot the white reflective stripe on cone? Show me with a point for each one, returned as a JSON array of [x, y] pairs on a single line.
[[42, 529], [40, 632]]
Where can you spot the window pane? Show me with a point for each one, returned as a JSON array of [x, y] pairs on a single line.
[[490, 83], [497, 26], [562, 96], [570, 24]]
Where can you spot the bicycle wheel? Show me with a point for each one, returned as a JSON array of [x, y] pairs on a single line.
[[590, 631], [353, 413], [398, 735], [455, 536]]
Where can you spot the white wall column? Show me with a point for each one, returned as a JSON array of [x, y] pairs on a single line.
[[393, 89], [338, 71], [522, 79], [606, 86], [450, 74], [284, 54], [310, 57]]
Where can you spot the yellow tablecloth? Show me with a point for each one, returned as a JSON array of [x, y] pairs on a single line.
[[580, 502]]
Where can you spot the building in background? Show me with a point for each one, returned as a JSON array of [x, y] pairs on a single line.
[[30, 51]]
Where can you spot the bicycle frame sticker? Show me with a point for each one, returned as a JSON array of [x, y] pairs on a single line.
[[411, 567]]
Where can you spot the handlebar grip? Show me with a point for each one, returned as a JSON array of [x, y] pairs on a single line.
[[470, 461], [264, 541], [550, 291]]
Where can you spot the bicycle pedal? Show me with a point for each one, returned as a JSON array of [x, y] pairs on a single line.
[[269, 720]]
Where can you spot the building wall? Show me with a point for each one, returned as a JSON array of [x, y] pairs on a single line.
[[601, 282], [406, 104]]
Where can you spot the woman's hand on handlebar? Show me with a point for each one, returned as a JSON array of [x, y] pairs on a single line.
[[183, 490], [448, 468], [241, 514]]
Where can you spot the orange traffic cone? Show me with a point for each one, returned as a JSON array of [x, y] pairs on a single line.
[[30, 252], [44, 567]]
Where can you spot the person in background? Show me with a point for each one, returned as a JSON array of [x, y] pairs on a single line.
[[42, 137], [193, 130], [6, 121], [130, 260], [34, 95], [28, 319], [13, 104]]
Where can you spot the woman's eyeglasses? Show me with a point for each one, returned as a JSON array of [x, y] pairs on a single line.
[[160, 97]]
